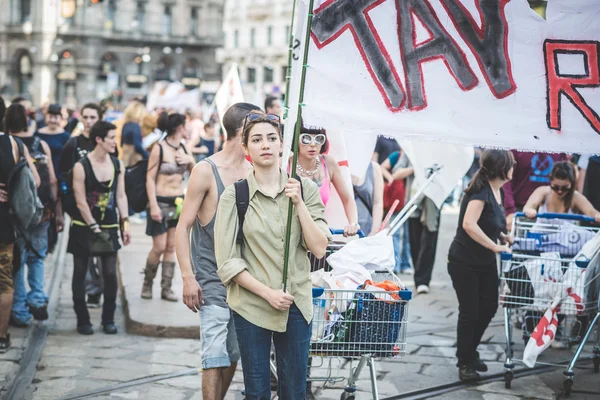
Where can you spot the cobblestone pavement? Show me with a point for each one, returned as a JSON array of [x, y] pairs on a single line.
[[73, 365]]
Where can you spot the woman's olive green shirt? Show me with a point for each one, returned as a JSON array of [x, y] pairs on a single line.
[[262, 251]]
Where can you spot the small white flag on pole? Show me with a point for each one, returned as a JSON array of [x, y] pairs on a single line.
[[229, 93]]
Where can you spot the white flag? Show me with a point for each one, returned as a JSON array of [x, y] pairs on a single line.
[[229, 93]]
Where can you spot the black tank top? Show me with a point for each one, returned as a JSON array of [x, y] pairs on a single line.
[[7, 163], [101, 196]]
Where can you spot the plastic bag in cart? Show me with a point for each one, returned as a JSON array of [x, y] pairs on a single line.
[[541, 338], [373, 253]]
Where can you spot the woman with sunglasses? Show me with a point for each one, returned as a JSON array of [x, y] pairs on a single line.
[[324, 170], [560, 196], [252, 271]]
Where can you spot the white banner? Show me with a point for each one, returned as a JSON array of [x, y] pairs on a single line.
[[471, 72]]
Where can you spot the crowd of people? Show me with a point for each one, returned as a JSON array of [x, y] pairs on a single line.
[[234, 207]]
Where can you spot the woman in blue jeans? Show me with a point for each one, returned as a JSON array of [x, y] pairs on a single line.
[[251, 264]]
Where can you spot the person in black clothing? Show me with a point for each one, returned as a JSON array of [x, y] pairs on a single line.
[[99, 185], [472, 256], [384, 147], [75, 149]]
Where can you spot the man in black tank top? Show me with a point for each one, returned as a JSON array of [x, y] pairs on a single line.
[[202, 288], [98, 183]]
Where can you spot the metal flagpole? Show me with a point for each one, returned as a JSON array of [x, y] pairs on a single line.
[[288, 72], [288, 231]]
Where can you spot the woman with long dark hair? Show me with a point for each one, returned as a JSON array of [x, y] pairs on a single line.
[[560, 196], [472, 256], [253, 271], [168, 162]]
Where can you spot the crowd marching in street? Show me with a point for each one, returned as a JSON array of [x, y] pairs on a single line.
[[187, 178]]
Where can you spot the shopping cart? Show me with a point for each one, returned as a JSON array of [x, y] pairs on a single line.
[[555, 260], [358, 325]]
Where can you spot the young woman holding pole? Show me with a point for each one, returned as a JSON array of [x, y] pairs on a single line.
[[253, 270]]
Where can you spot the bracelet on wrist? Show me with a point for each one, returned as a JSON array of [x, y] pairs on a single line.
[[94, 226], [124, 224]]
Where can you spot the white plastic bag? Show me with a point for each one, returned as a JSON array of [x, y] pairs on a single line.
[[373, 253]]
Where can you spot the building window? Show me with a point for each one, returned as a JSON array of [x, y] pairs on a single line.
[[236, 39], [25, 11], [167, 21], [251, 75], [270, 35], [252, 37], [194, 22], [111, 11], [268, 74], [140, 15], [68, 11]]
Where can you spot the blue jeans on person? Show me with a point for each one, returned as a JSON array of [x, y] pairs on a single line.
[[401, 248], [35, 275], [291, 352]]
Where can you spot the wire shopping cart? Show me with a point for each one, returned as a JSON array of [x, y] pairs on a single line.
[[361, 325], [555, 264]]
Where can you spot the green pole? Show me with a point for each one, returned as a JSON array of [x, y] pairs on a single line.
[[288, 72], [288, 232]]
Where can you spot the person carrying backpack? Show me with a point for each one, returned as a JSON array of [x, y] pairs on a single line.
[[33, 242], [10, 154]]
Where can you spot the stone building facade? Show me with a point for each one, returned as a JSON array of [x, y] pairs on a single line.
[[256, 39], [74, 51]]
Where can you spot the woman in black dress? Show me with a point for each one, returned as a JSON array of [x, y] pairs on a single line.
[[472, 257]]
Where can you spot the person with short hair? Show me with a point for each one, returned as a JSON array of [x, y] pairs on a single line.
[[205, 146], [472, 256], [253, 270], [99, 186], [273, 105], [76, 148], [33, 242], [203, 290], [54, 134]]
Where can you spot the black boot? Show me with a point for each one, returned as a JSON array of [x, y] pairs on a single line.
[[467, 373], [480, 366]]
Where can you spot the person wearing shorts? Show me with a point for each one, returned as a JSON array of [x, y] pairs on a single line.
[[167, 165], [202, 288]]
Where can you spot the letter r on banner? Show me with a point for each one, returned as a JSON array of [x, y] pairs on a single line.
[[559, 84]]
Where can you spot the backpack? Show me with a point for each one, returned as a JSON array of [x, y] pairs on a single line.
[[242, 200], [26, 209], [41, 165], [135, 182]]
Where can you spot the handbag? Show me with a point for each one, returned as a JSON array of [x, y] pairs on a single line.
[[101, 243]]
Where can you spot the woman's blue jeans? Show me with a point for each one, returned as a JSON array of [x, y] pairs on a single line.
[[291, 350]]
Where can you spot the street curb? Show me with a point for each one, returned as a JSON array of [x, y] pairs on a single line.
[[152, 330]]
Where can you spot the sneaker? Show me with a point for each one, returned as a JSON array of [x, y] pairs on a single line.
[[559, 344], [93, 301], [39, 313], [407, 271], [110, 329], [5, 343], [18, 323], [85, 330], [467, 373], [422, 289]]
